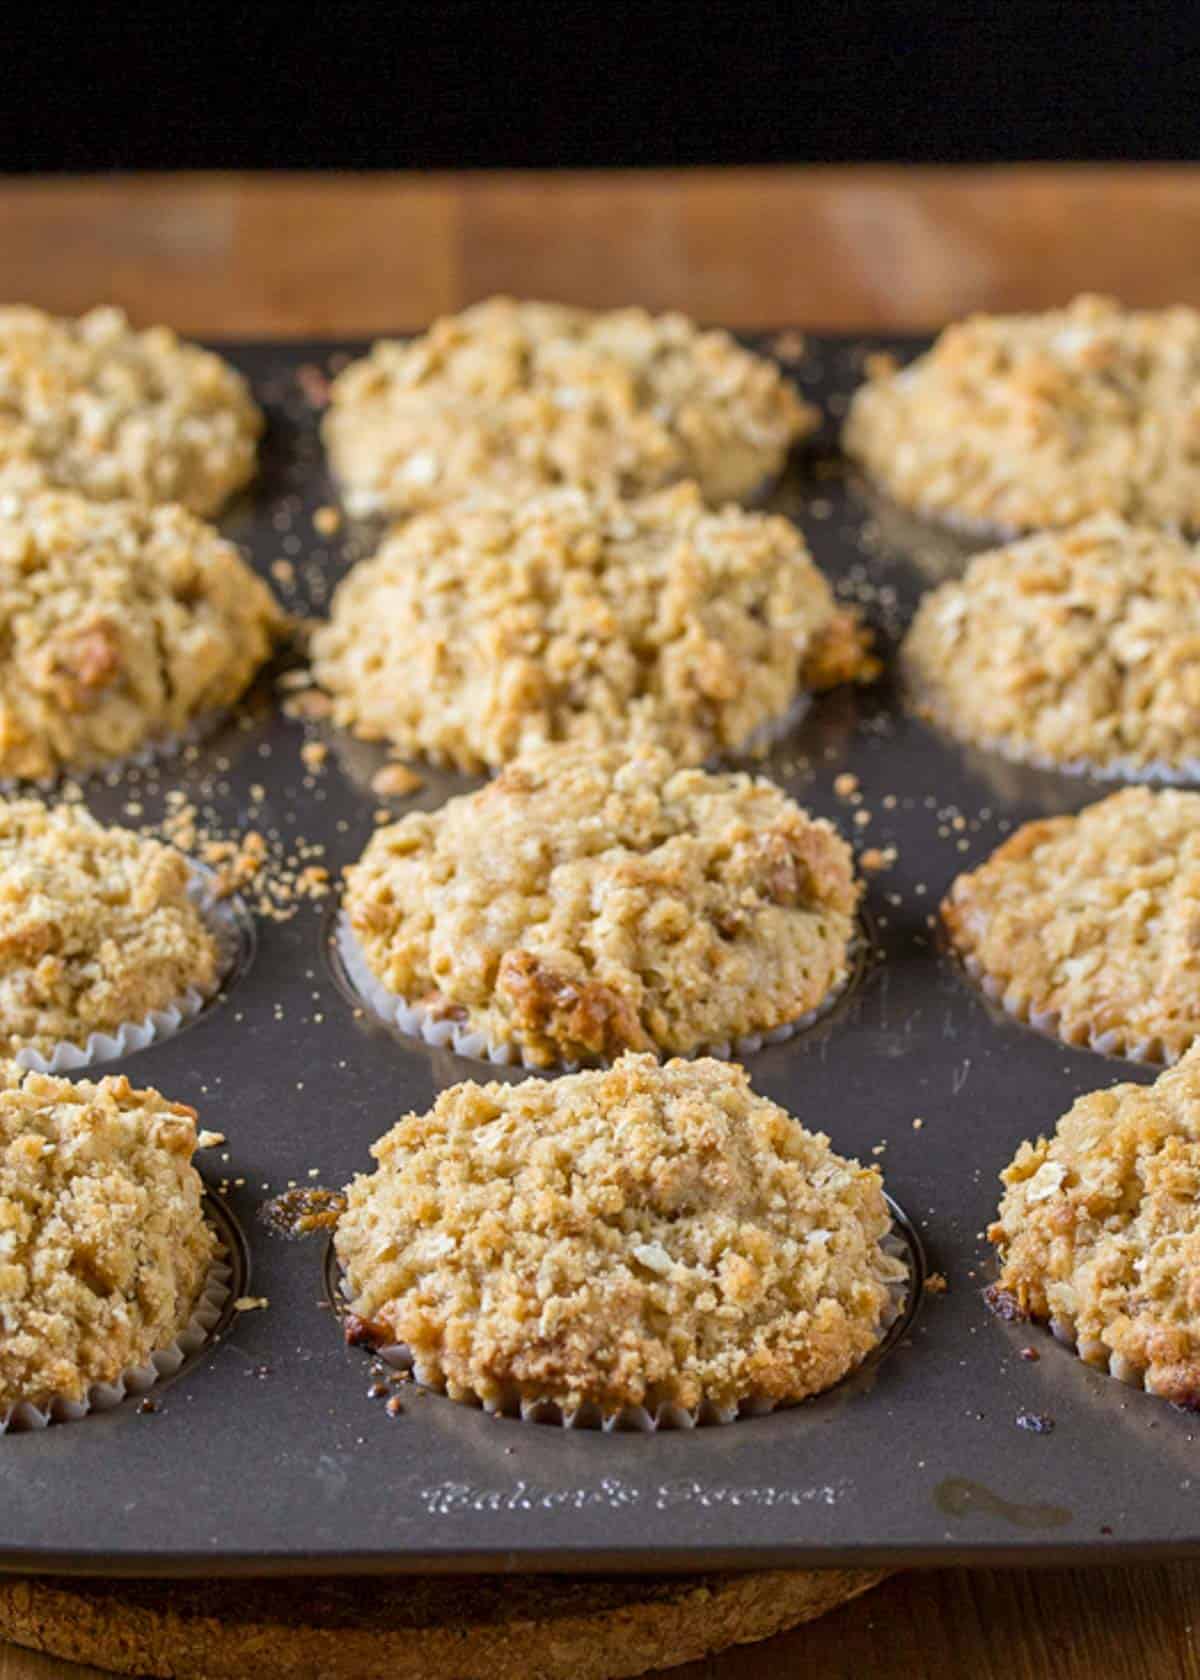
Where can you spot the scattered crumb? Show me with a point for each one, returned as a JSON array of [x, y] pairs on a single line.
[[1038, 1423], [250, 1303], [314, 754], [327, 520], [209, 1140], [876, 859], [845, 784], [1030, 1354], [935, 1284], [283, 571], [918, 1123], [396, 780], [310, 704]]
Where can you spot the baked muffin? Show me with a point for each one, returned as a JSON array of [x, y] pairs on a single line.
[[104, 1249], [1017, 422], [1089, 925], [588, 902], [1099, 1232], [515, 398], [91, 405], [97, 928], [646, 1237], [1072, 647], [477, 633], [120, 627]]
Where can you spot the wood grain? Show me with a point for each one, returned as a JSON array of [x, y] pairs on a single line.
[[874, 248], [836, 247]]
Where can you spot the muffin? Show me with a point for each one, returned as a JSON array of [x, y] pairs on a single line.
[[1099, 1232], [589, 902], [93, 406], [1088, 926], [1018, 422], [1073, 648], [650, 1240], [120, 627], [99, 928], [104, 1250], [515, 398], [477, 633]]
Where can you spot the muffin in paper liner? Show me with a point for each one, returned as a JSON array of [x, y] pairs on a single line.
[[134, 1379], [650, 1418], [416, 1020], [585, 903], [1098, 1233], [1077, 925], [1072, 650], [225, 919], [477, 633], [113, 1265], [651, 1246], [1038, 420]]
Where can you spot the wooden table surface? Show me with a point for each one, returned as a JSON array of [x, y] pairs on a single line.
[[857, 247]]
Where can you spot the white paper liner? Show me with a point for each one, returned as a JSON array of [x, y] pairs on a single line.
[[1098, 1354], [1048, 1022], [648, 1418], [924, 698], [134, 1379], [221, 918], [418, 1021]]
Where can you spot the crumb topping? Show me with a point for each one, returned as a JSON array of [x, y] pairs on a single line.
[[520, 397], [649, 1234], [1095, 918], [475, 634], [96, 927], [91, 405], [1099, 1228], [119, 626], [1024, 421], [588, 902], [1079, 645], [104, 1249]]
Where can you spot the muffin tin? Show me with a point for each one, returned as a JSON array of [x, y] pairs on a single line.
[[267, 1454]]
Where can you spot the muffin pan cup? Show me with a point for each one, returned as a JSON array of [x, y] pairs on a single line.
[[661, 1414], [133, 1379], [268, 1455], [414, 1020], [228, 922]]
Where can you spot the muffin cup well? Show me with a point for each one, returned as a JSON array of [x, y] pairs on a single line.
[[923, 698], [225, 920], [1008, 996], [657, 1415], [134, 1379], [417, 1021]]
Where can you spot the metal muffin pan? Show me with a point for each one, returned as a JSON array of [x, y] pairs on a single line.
[[267, 1455]]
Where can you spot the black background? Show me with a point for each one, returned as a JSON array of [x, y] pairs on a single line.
[[482, 85]]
